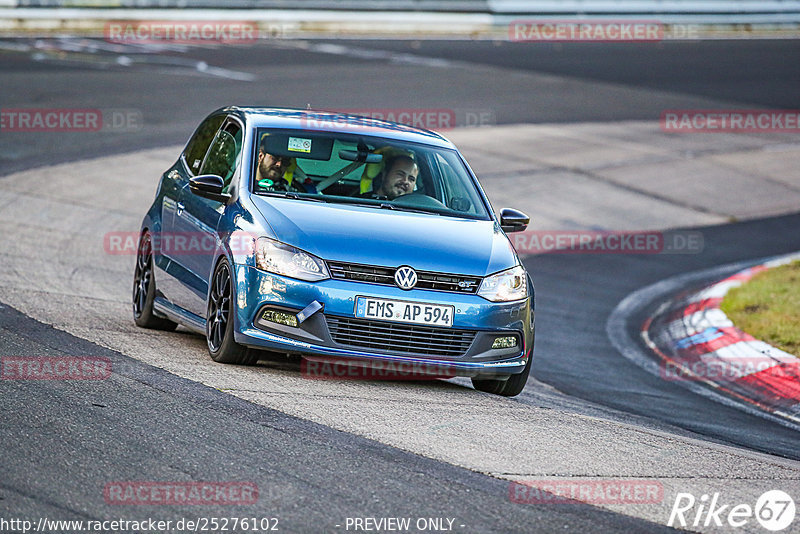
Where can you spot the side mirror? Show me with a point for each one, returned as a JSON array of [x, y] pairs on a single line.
[[512, 220], [208, 186]]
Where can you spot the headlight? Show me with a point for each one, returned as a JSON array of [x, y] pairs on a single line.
[[279, 258], [511, 284]]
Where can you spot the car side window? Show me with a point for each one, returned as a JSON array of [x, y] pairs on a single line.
[[200, 141], [223, 155]]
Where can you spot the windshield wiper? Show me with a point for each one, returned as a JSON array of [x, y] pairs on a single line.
[[406, 208], [382, 205], [331, 199], [349, 200]]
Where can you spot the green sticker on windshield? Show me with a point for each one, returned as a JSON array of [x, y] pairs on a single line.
[[266, 182]]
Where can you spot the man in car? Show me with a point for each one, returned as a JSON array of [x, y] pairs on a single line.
[[280, 173], [398, 178], [271, 167]]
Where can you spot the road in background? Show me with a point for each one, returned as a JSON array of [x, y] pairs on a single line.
[[171, 86], [755, 73]]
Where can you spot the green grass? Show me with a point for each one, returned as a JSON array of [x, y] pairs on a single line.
[[768, 307]]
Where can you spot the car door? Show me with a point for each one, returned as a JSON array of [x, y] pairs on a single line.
[[169, 270], [199, 217]]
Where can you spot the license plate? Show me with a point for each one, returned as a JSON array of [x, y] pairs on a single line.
[[401, 311]]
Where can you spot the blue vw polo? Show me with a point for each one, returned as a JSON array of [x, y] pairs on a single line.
[[338, 237]]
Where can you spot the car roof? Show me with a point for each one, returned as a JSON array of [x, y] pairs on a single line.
[[328, 121]]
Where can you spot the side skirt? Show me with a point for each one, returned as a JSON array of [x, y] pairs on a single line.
[[179, 315]]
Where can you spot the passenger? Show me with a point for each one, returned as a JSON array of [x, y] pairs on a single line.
[[398, 178], [271, 168], [281, 173]]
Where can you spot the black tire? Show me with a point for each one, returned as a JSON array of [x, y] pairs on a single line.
[[144, 289], [219, 320], [506, 388]]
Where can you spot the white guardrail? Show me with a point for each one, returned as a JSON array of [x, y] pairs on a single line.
[[739, 8], [667, 11], [381, 18]]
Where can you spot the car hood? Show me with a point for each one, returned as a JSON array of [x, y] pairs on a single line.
[[375, 236]]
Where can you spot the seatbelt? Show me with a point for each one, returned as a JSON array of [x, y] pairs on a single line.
[[338, 175]]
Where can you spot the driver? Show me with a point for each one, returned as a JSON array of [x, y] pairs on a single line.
[[398, 178]]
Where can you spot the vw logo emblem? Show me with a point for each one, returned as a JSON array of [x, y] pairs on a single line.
[[405, 277]]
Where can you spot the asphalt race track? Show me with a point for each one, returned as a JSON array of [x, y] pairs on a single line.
[[149, 424], [322, 452]]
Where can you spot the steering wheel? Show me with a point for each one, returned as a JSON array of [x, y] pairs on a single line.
[[418, 200]]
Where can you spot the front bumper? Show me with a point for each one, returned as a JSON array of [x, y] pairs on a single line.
[[473, 315]]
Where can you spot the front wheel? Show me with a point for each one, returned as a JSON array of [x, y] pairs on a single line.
[[144, 289], [219, 320], [506, 388]]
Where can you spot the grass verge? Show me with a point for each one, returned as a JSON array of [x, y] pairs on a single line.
[[768, 307]]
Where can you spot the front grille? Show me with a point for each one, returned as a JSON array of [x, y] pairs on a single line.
[[363, 273], [455, 283], [400, 338]]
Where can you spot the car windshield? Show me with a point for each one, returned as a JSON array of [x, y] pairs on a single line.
[[359, 169]]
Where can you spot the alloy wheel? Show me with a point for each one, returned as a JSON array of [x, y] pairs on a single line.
[[142, 276], [219, 308]]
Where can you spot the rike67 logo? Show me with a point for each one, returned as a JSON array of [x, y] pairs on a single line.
[[774, 510]]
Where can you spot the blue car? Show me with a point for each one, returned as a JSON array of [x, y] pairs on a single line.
[[337, 238]]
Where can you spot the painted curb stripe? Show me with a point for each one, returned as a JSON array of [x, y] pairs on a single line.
[[690, 325], [779, 385], [697, 341], [701, 305], [712, 339]]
